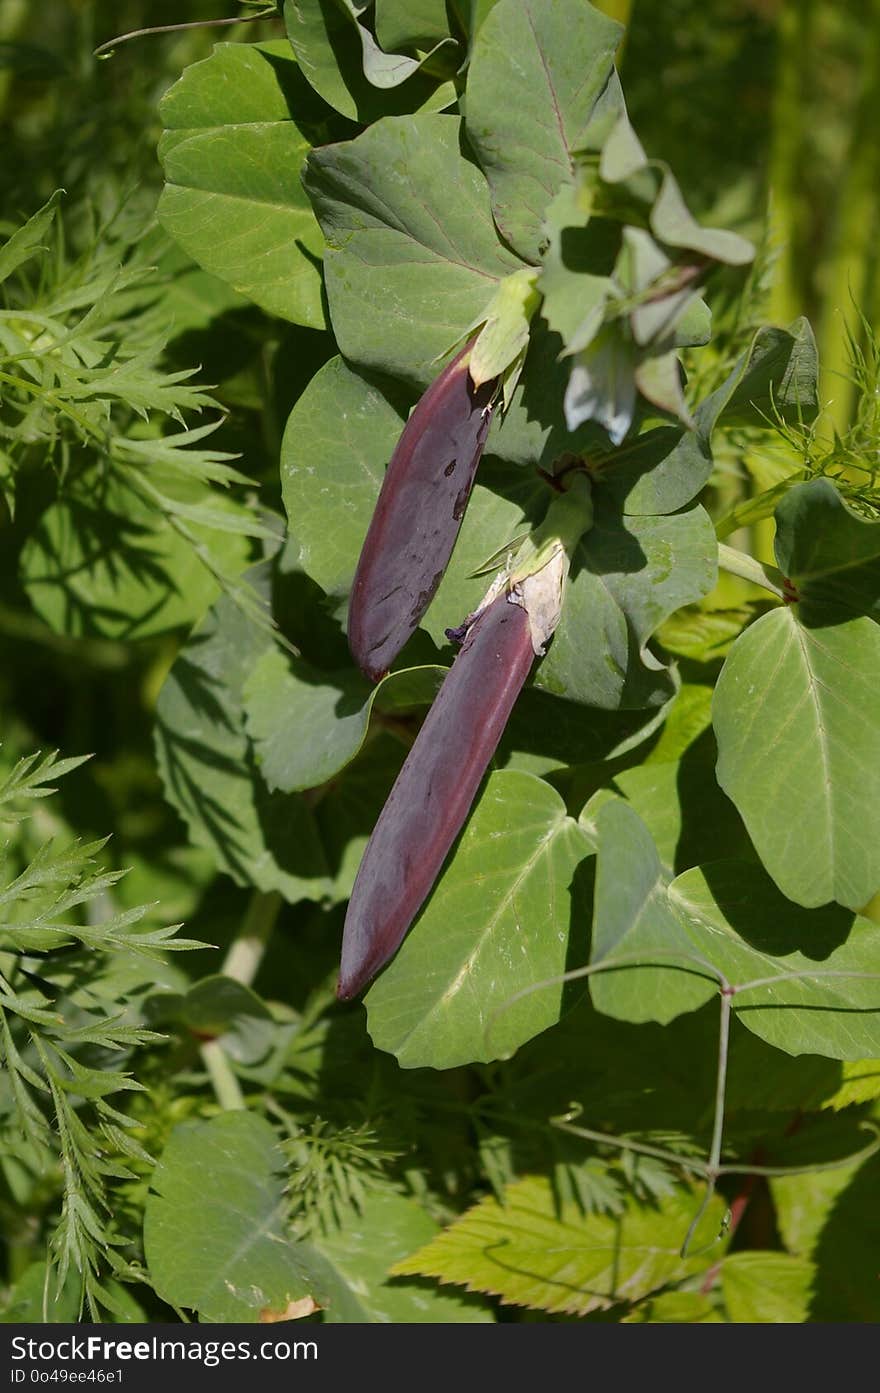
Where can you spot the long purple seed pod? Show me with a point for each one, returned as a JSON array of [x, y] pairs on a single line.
[[434, 789], [417, 516]]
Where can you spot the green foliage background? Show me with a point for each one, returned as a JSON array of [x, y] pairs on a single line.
[[377, 1161]]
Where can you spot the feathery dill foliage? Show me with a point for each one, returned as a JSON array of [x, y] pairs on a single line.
[[64, 954], [331, 1170], [850, 458], [84, 392]]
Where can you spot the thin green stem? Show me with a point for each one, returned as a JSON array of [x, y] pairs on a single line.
[[712, 1168], [223, 1080], [110, 44], [246, 951], [241, 963]]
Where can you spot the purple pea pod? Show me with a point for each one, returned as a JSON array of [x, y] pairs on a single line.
[[417, 516], [435, 788]]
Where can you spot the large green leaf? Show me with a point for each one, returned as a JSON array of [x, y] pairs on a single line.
[[338, 440], [343, 62], [798, 726], [767, 1288], [350, 1266], [101, 563], [238, 127], [536, 72], [680, 802], [306, 724], [221, 1248], [409, 265], [410, 23], [634, 922], [627, 576], [497, 923], [530, 1252], [817, 972], [207, 765], [830, 554]]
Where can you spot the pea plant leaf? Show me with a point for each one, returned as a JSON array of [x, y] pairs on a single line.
[[238, 127], [628, 575], [634, 922], [350, 1268], [306, 724], [222, 1249], [802, 679], [410, 23], [681, 805], [497, 922], [529, 1251], [407, 269], [338, 440], [557, 59], [798, 729], [351, 71], [816, 972], [208, 770], [830, 554]]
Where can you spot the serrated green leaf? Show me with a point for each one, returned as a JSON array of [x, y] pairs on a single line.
[[221, 1249], [798, 728], [27, 241], [528, 1254], [767, 1288], [537, 70], [832, 1218], [407, 269], [860, 1083], [497, 923], [804, 1203], [677, 1308], [238, 127]]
